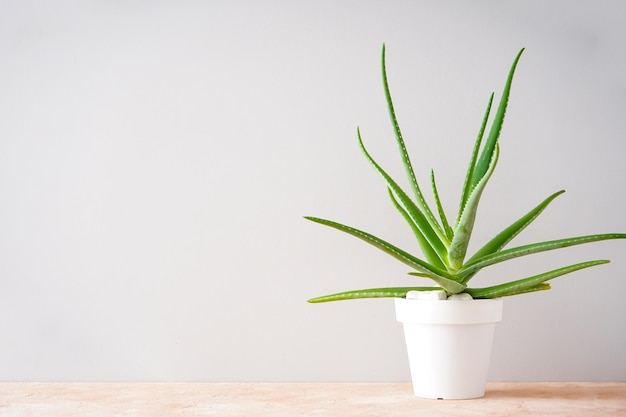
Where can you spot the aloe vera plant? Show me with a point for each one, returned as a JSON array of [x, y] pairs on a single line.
[[444, 244]]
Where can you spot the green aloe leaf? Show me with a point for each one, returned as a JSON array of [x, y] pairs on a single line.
[[467, 185], [370, 293], [507, 254], [504, 237], [463, 230], [406, 160], [387, 247], [485, 157], [437, 245], [525, 284], [430, 255], [442, 214], [441, 277], [514, 291], [420, 274]]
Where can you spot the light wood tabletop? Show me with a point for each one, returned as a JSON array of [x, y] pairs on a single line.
[[129, 399]]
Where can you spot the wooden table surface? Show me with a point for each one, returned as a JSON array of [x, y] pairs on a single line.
[[34, 399]]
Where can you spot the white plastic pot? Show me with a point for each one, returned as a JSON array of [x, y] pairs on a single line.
[[449, 345]]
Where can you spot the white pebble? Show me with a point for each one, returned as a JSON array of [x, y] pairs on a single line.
[[460, 297], [426, 295]]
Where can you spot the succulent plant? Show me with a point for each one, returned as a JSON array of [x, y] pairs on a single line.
[[443, 244]]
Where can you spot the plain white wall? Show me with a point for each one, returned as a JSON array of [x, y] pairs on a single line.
[[156, 159]]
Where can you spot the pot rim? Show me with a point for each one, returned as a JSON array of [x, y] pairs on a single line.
[[449, 311]]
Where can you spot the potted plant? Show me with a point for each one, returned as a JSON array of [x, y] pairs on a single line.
[[449, 326]]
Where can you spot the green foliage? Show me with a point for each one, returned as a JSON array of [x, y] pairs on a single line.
[[443, 245]]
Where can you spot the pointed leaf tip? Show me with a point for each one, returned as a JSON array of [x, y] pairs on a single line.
[[494, 133]]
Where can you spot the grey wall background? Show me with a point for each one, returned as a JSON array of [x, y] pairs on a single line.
[[156, 159]]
